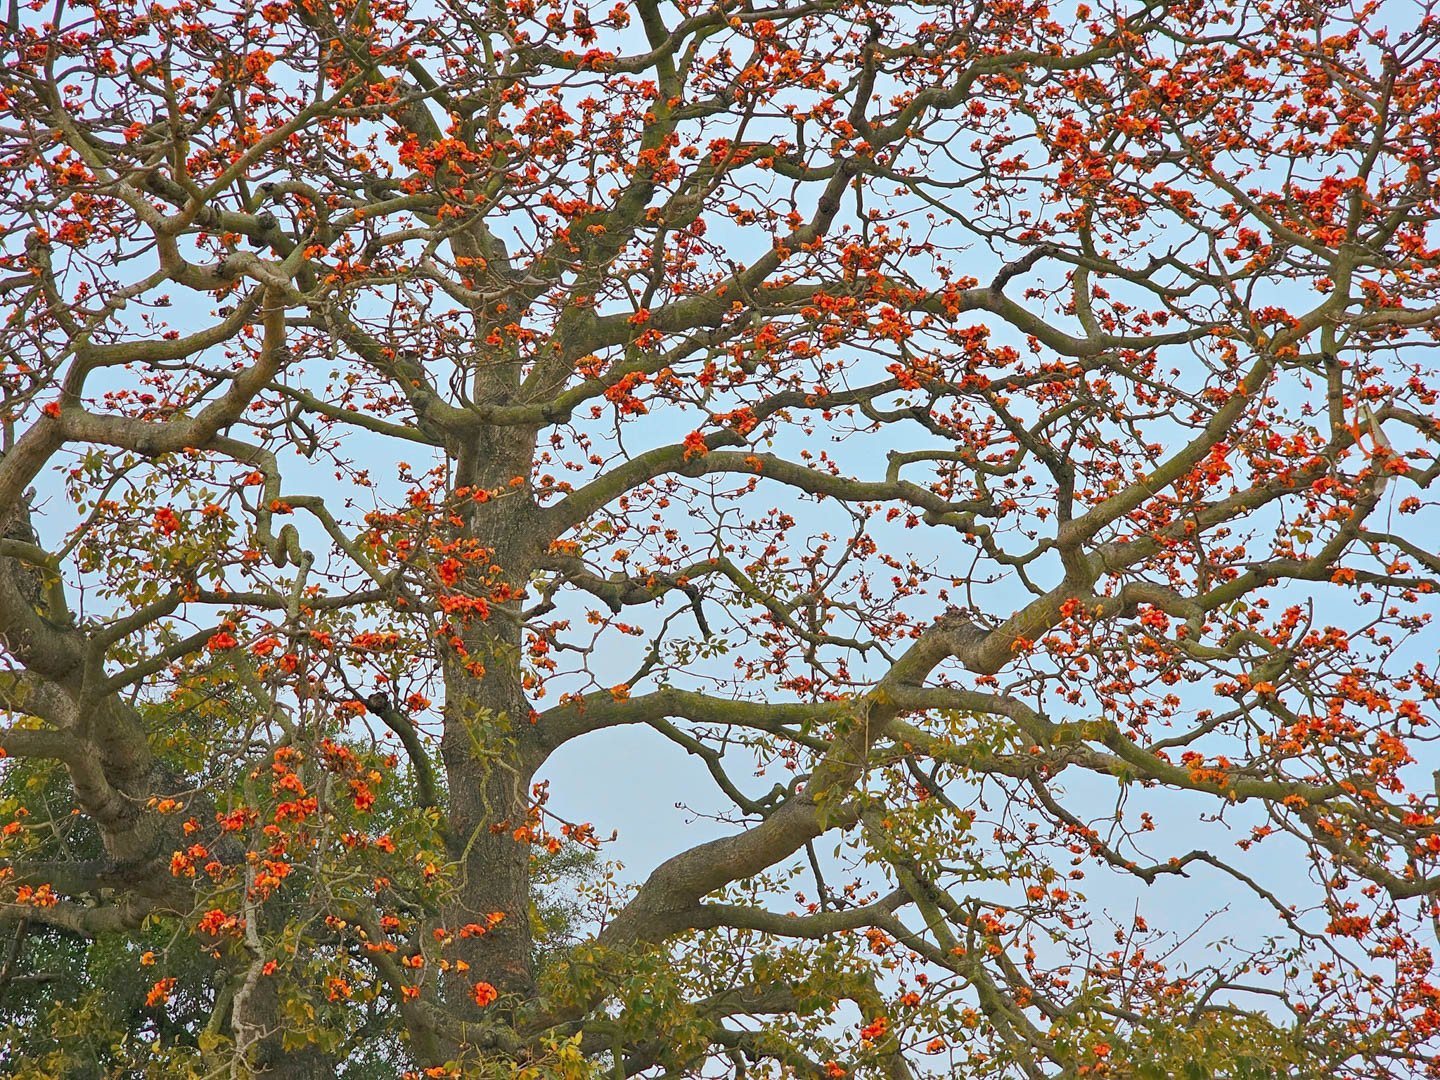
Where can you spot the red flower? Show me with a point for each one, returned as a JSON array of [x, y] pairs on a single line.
[[166, 523], [484, 994], [160, 992], [875, 1029], [695, 445], [221, 641]]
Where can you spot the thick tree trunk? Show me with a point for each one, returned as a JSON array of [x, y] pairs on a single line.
[[268, 1056], [487, 747], [489, 784]]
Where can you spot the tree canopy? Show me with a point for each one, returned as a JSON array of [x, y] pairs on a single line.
[[995, 438]]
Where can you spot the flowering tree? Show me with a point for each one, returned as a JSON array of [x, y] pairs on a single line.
[[1008, 429]]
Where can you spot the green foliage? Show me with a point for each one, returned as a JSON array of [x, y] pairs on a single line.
[[79, 1011]]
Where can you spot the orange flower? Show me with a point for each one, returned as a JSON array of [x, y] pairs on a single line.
[[160, 992], [221, 641], [484, 994], [695, 445]]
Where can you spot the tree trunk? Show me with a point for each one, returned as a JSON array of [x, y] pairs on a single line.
[[489, 783], [486, 746]]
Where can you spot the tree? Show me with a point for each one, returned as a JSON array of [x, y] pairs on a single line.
[[98, 986], [1011, 428]]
